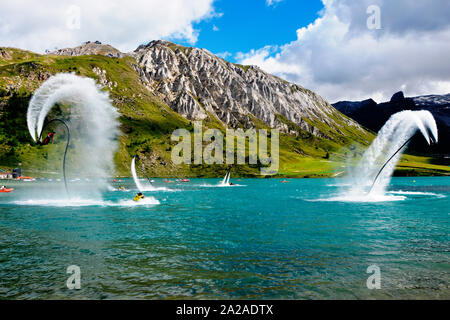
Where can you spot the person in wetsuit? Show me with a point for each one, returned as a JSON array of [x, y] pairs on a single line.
[[49, 138]]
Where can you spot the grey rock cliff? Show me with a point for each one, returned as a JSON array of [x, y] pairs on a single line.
[[198, 84]]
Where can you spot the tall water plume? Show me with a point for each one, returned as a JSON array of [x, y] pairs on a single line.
[[148, 186], [92, 119], [373, 172]]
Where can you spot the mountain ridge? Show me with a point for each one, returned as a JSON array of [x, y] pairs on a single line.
[[153, 61], [195, 83], [373, 115]]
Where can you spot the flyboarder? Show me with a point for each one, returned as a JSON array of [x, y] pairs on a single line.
[[228, 175], [49, 138]]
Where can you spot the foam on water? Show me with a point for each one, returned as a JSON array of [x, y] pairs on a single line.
[[418, 193], [152, 188], [373, 197], [147, 201], [361, 198], [77, 202], [338, 185]]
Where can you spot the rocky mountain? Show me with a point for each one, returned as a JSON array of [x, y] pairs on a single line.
[[197, 84], [373, 115]]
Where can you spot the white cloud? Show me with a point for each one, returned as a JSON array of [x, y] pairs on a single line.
[[40, 25], [224, 55], [272, 2], [215, 28], [340, 58]]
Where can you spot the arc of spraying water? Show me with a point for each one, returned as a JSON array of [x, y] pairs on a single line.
[[395, 134], [385, 164], [430, 141], [143, 172], [65, 151]]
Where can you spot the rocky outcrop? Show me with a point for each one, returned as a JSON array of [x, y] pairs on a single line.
[[198, 84], [90, 48], [102, 78], [4, 54]]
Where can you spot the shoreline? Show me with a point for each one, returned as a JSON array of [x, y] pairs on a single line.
[[276, 177]]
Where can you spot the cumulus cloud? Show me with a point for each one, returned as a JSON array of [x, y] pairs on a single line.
[[341, 58], [40, 25]]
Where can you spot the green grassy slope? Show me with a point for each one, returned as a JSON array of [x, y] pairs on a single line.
[[147, 124]]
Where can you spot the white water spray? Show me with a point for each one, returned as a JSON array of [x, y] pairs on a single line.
[[226, 179], [135, 177], [397, 132], [92, 119], [140, 187]]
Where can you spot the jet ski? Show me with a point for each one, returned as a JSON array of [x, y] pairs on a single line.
[[138, 197]]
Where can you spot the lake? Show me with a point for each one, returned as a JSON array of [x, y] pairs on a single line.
[[261, 239]]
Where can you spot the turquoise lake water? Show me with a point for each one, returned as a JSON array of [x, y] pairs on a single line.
[[260, 240]]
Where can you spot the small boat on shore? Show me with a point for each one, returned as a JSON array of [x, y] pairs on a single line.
[[26, 179]]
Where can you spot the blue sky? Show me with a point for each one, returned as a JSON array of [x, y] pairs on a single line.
[[240, 26]]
